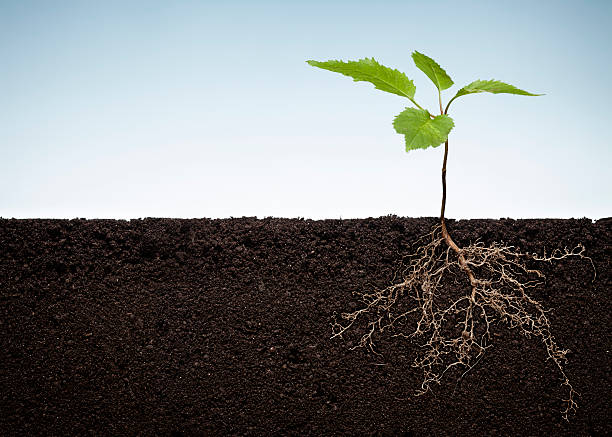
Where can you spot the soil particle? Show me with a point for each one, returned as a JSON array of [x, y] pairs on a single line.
[[222, 327]]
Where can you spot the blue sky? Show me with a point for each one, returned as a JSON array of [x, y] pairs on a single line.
[[127, 109]]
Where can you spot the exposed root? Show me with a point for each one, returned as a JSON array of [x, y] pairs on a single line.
[[457, 327]]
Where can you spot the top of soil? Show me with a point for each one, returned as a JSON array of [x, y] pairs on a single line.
[[217, 327]]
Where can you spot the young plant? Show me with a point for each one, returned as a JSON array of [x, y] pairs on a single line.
[[497, 279]]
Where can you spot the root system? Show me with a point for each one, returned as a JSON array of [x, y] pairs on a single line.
[[455, 329]]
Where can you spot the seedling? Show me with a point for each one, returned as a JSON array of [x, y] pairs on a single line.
[[457, 328]]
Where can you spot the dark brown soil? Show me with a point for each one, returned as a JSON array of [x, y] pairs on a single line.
[[222, 327]]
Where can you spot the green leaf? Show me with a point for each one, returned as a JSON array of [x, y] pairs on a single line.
[[489, 86], [433, 71], [422, 131], [492, 86], [368, 70]]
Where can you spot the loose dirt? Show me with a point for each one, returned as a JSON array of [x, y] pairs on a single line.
[[222, 327]]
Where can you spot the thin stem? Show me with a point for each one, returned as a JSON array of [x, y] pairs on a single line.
[[440, 100], [416, 104], [419, 106], [462, 261], [444, 183], [448, 104]]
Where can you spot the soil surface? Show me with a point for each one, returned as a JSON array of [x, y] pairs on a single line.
[[222, 327]]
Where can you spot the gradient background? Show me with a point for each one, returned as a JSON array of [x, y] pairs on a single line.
[[128, 109]]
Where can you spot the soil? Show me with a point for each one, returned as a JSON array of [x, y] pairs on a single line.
[[222, 327]]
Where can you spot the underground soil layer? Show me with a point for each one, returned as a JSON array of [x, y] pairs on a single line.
[[222, 327]]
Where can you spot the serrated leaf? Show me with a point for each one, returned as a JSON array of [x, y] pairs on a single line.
[[368, 70], [420, 130], [492, 86], [489, 86], [433, 71]]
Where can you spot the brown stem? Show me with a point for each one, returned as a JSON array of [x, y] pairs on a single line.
[[446, 235], [444, 184]]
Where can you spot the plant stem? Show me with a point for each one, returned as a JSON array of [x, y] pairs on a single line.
[[446, 235], [444, 184], [415, 103], [448, 104]]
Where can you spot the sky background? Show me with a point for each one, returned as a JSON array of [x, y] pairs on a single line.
[[129, 109]]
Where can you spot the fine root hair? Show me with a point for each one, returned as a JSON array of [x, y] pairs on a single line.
[[455, 329]]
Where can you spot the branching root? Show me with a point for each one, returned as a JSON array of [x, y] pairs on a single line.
[[455, 330]]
